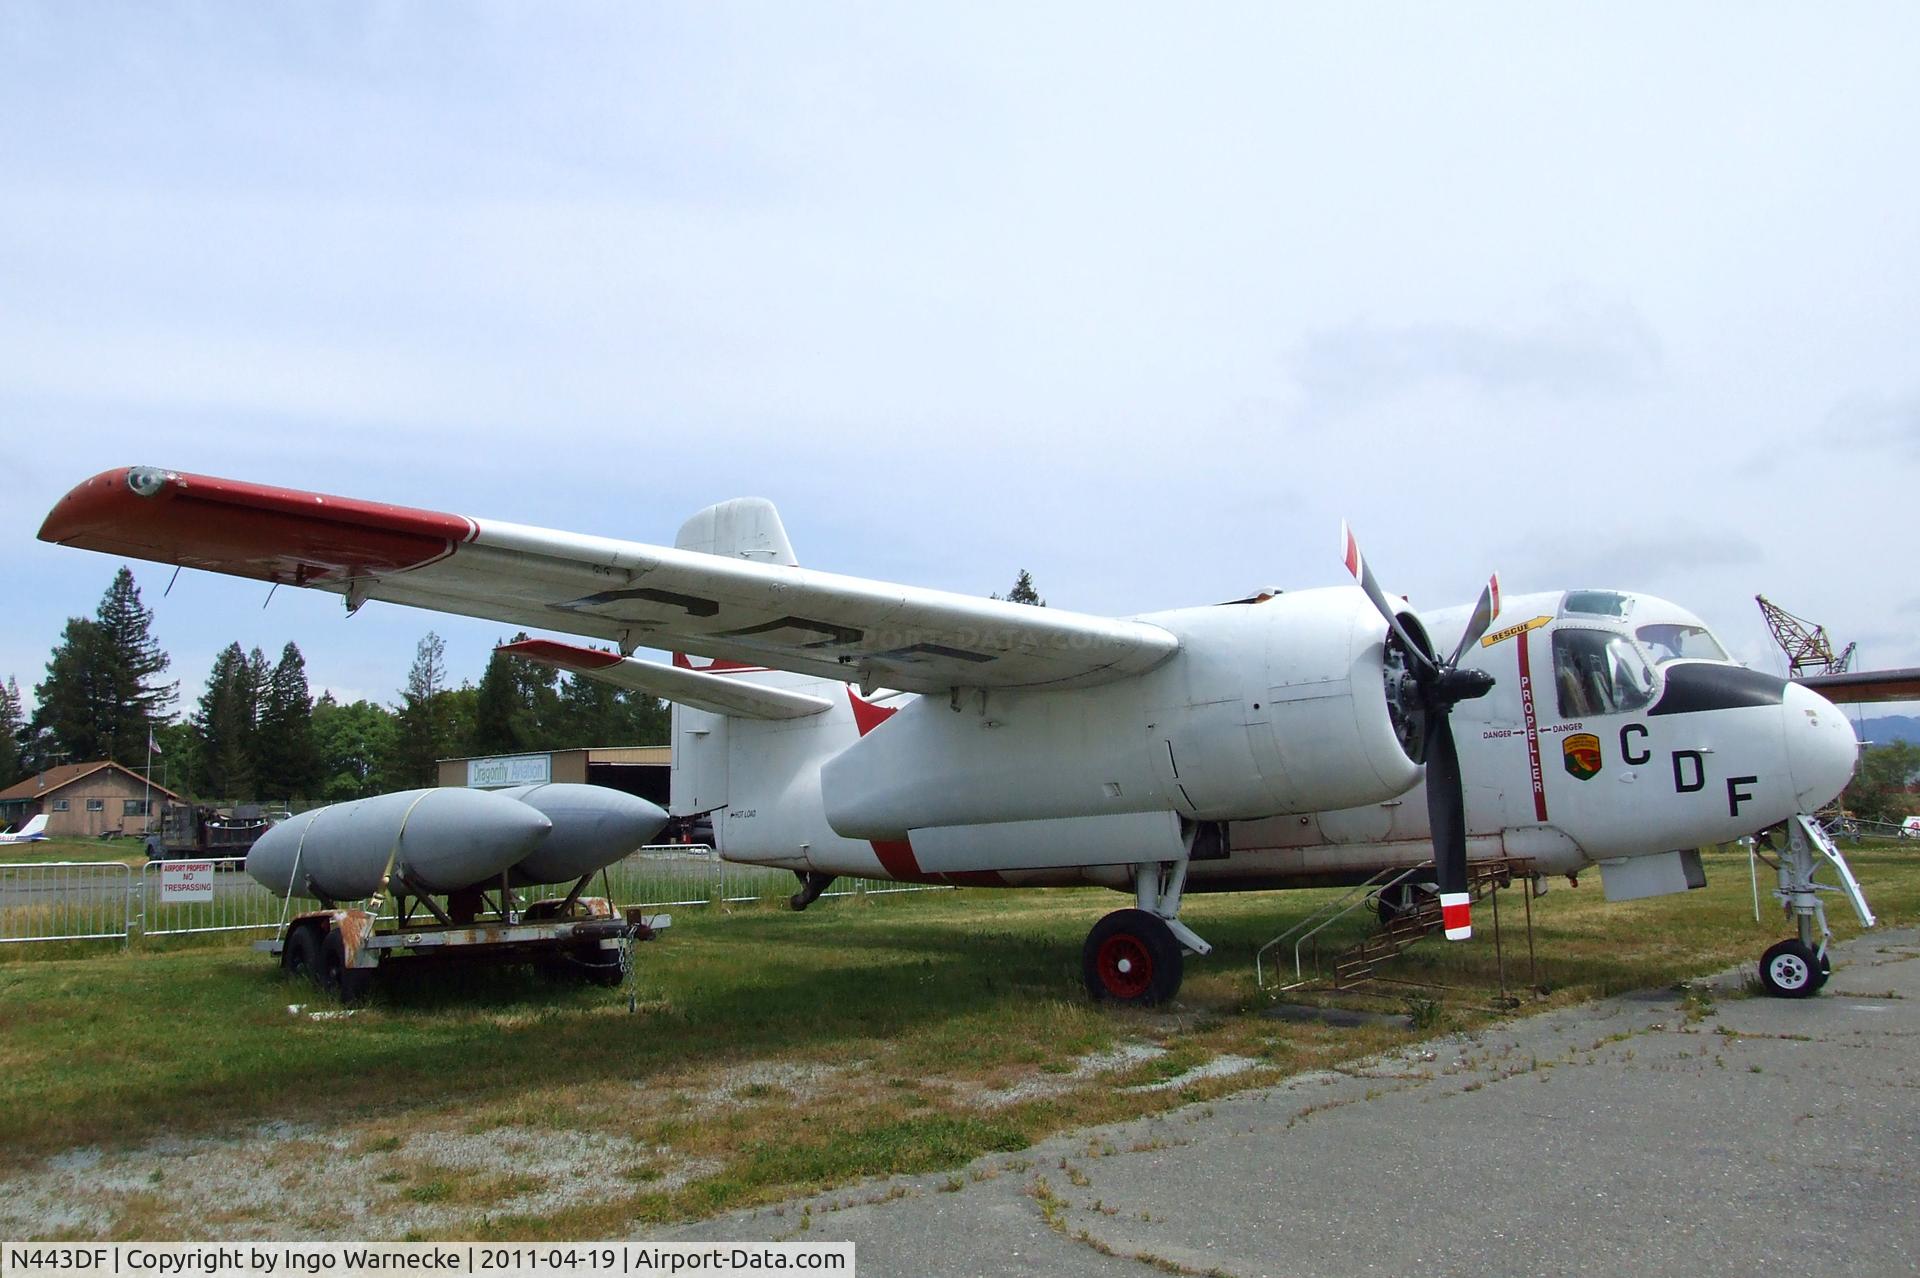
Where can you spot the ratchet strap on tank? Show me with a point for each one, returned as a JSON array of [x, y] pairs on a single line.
[[393, 855]]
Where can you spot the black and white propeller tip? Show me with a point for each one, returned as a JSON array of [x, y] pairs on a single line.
[[1428, 694]]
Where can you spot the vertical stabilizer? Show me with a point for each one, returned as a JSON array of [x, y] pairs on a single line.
[[743, 528]]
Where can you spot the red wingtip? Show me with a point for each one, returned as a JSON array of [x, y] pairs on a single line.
[[568, 656], [248, 530]]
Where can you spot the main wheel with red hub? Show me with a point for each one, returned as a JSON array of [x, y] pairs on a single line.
[[1131, 956]]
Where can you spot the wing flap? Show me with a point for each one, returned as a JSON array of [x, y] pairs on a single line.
[[717, 694]]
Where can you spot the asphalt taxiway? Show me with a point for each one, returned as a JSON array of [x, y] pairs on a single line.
[[1656, 1132]]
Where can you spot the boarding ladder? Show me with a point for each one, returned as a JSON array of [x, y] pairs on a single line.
[[1405, 928]]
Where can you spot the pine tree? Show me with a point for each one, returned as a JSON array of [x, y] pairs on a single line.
[[74, 720], [423, 730], [1023, 591], [13, 725], [516, 706], [224, 724], [101, 698], [139, 702], [284, 749]]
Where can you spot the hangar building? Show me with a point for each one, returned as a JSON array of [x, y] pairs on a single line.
[[642, 770]]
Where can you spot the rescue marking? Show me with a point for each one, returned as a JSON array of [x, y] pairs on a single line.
[[1508, 632]]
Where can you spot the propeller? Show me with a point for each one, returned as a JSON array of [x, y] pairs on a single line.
[[1425, 695]]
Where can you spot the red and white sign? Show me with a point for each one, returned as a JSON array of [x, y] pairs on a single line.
[[184, 881]]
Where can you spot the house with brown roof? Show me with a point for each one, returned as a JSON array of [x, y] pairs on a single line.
[[83, 799]]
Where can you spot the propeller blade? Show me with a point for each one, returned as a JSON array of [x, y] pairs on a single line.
[[1447, 818], [1482, 620], [1357, 565]]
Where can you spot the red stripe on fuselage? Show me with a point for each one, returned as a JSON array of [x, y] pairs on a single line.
[[1533, 729], [896, 855], [252, 530]]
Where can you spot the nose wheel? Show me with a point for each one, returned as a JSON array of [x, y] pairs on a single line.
[[1799, 966], [1793, 969], [1132, 956]]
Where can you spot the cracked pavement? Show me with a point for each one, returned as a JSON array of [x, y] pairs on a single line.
[[1700, 1132]]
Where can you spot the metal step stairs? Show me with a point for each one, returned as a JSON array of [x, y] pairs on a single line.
[[1360, 963], [1408, 928]]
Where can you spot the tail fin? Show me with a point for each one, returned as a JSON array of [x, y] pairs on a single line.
[[33, 827], [743, 528]]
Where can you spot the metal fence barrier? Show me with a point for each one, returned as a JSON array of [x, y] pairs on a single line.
[[175, 901], [109, 900], [66, 901]]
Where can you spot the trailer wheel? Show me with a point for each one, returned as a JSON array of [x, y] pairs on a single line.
[[301, 957], [348, 984]]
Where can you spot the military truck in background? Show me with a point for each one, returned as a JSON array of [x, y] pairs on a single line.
[[202, 832]]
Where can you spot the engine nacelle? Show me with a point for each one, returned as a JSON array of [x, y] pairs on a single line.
[[1268, 708]]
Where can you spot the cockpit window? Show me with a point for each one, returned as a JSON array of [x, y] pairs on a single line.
[[1599, 673], [1674, 641], [1595, 603]]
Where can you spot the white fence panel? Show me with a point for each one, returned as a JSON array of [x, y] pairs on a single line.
[[232, 902], [66, 901], [110, 900]]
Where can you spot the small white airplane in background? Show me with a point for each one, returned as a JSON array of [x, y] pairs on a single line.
[[832, 725], [34, 831]]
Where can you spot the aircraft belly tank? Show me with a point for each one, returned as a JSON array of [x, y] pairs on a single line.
[[593, 826], [441, 840]]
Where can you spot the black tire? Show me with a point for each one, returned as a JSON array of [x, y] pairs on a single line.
[[1824, 971], [301, 958], [348, 984], [1131, 956], [596, 966], [1789, 969]]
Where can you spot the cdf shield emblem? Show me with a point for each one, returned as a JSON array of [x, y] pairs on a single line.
[[1581, 753]]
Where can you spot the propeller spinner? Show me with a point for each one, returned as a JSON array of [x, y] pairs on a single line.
[[1424, 692]]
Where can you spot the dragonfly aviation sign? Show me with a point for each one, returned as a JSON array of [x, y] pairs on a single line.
[[509, 770], [833, 725]]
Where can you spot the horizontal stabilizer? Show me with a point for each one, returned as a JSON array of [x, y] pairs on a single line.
[[717, 694]]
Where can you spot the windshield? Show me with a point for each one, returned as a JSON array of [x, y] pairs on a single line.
[[1599, 673], [1670, 641]]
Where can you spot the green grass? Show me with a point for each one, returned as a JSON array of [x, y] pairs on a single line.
[[125, 851], [915, 1002]]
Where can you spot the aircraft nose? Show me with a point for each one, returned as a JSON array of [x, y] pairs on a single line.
[[1822, 751]]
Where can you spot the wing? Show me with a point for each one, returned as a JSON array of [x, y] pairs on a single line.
[[636, 595], [711, 692], [1865, 685]]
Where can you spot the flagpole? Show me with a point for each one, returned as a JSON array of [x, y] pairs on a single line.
[[146, 803]]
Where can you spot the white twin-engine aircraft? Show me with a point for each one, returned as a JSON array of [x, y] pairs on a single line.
[[837, 726]]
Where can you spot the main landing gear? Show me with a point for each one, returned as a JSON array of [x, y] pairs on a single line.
[[1799, 966], [1138, 956]]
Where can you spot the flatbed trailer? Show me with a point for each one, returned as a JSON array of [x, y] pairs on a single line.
[[343, 949]]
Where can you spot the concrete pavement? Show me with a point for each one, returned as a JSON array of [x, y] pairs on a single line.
[[1656, 1132]]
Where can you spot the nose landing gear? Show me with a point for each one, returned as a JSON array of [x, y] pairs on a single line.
[[1799, 966]]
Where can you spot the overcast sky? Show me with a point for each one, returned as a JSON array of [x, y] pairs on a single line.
[[1142, 298]]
